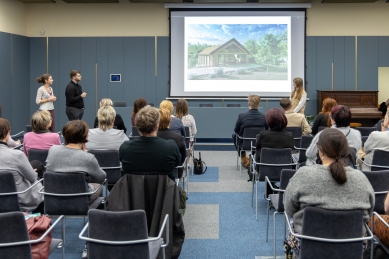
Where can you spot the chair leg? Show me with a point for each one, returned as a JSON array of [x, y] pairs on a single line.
[[274, 233], [63, 237], [267, 221], [256, 200]]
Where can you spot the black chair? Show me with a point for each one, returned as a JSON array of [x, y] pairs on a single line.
[[110, 163], [247, 142], [38, 154], [18, 136], [134, 133], [297, 133], [321, 128], [123, 234], [380, 161], [28, 128], [331, 234], [233, 105], [364, 138], [14, 239], [65, 194], [277, 201], [119, 104], [8, 193], [304, 144], [365, 131], [272, 162], [206, 105]]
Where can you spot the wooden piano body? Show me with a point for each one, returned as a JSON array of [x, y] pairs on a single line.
[[363, 104]]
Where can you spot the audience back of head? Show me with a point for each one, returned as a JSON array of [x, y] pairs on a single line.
[[75, 132], [165, 119], [5, 128], [138, 104], [40, 120], [275, 119], [147, 119], [166, 104], [106, 102], [341, 114], [285, 103], [254, 101], [106, 117], [181, 108]]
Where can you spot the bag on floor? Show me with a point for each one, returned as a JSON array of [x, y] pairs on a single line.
[[198, 165], [37, 226]]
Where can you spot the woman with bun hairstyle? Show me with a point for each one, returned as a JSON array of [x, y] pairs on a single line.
[[298, 96], [331, 185], [45, 96]]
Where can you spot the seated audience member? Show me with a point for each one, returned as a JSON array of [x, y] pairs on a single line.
[[74, 157], [165, 133], [383, 108], [251, 118], [40, 137], [276, 136], [138, 104], [187, 119], [149, 154], [331, 186], [294, 119], [376, 140], [24, 174], [340, 118], [118, 122], [176, 124], [105, 137], [12, 143], [323, 119]]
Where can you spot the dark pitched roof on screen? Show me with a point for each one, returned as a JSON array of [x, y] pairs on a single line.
[[210, 50]]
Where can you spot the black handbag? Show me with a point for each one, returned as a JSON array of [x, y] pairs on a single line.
[[198, 165]]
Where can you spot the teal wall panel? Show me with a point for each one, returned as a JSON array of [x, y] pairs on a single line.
[[368, 63]]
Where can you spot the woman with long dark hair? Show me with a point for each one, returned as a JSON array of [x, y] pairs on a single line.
[[331, 186]]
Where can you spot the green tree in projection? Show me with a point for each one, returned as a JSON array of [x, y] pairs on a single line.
[[251, 46], [283, 47], [272, 49], [193, 52]]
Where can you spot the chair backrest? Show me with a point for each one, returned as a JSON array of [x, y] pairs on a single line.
[[364, 138], [274, 156], [7, 185], [334, 224], [65, 183], [38, 154], [305, 142], [380, 158], [187, 137], [135, 132], [109, 158], [297, 133], [379, 180], [119, 104], [286, 175], [118, 226], [206, 105], [233, 105], [250, 133], [13, 228], [352, 159], [28, 128], [321, 128], [365, 131]]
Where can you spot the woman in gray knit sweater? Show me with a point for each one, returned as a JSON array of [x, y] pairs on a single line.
[[329, 186]]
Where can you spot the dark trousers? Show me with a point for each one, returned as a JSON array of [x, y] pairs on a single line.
[[52, 128], [238, 145], [74, 113]]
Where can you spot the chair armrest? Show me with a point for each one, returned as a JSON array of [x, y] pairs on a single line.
[[41, 191], [300, 148], [110, 167], [17, 134], [370, 165], [275, 165], [271, 186], [165, 225], [380, 218], [183, 164], [328, 240], [33, 241], [20, 192]]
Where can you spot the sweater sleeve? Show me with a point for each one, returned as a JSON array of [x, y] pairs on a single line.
[[369, 144], [305, 126], [291, 197], [193, 126], [39, 96], [96, 174], [301, 103], [312, 149]]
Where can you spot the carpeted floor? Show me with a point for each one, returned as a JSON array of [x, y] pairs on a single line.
[[219, 219]]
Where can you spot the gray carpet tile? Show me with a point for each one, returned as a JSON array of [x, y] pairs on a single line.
[[201, 221]]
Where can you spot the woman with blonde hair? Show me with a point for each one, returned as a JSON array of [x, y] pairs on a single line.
[[298, 96], [118, 123], [323, 119], [187, 119], [138, 104], [45, 96], [105, 137], [40, 137], [176, 124]]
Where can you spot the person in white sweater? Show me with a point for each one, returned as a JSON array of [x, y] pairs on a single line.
[[329, 186], [340, 118], [105, 137], [187, 119]]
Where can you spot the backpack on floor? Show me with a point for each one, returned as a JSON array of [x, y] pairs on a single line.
[[198, 165]]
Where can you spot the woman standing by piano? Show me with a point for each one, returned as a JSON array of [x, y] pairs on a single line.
[[298, 96]]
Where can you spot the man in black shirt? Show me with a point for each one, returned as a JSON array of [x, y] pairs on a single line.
[[74, 97]]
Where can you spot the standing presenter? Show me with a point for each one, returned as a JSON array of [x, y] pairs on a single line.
[[298, 96], [74, 97], [45, 97]]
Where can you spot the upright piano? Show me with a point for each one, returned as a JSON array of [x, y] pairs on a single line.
[[363, 104]]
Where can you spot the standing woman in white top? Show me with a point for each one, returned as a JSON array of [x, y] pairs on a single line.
[[187, 119], [45, 97], [298, 96]]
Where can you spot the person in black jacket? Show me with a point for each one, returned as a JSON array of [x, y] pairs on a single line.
[[118, 123], [74, 97], [165, 133], [251, 118]]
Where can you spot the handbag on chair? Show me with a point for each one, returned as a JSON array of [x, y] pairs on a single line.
[[198, 165]]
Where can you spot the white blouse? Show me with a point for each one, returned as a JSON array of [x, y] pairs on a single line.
[[43, 95]]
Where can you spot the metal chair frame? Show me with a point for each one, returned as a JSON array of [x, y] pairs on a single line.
[[252, 147], [384, 167], [375, 240]]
